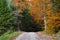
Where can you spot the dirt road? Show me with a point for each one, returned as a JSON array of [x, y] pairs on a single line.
[[33, 36]]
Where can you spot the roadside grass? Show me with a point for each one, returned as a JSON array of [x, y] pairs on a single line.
[[56, 36], [9, 35], [58, 32]]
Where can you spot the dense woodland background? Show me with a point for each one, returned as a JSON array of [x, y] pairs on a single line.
[[18, 15]]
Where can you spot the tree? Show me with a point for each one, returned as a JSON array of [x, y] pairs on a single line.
[[53, 20], [6, 17], [27, 22]]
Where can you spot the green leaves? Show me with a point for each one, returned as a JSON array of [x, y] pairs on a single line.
[[55, 6], [6, 16], [8, 35], [28, 22], [53, 1]]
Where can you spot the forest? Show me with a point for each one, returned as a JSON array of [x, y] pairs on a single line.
[[29, 16]]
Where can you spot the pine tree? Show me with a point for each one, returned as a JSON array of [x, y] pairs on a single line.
[[27, 22]]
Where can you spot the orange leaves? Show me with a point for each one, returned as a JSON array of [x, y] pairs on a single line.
[[36, 10], [36, 7]]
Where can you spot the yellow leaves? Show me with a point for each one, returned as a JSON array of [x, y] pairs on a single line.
[[47, 1], [50, 30], [49, 13], [36, 10], [48, 6]]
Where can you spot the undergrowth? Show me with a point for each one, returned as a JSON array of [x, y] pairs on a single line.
[[8, 35]]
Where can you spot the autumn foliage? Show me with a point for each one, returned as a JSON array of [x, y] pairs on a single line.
[[37, 11]]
